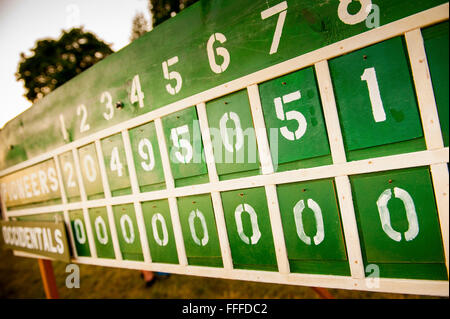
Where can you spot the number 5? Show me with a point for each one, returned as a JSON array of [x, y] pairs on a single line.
[[291, 115], [173, 75], [280, 8], [181, 143]]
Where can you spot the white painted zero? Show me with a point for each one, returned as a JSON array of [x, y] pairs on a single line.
[[89, 168], [411, 215], [165, 238], [79, 231], [254, 222], [298, 213], [224, 131], [124, 221], [199, 215], [360, 16], [99, 222]]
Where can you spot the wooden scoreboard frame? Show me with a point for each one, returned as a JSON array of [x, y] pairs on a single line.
[[436, 156]]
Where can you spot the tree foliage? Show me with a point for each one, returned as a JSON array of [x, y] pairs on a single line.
[[140, 26], [54, 62], [162, 10]]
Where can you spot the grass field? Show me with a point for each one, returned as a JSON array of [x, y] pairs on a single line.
[[20, 278]]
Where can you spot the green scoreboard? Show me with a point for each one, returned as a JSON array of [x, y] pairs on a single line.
[[294, 142]]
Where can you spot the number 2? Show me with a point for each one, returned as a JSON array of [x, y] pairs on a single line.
[[83, 126]]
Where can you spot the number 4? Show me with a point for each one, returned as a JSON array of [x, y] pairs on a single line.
[[136, 94], [115, 164], [280, 8]]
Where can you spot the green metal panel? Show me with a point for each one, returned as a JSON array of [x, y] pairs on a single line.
[[436, 46], [101, 232], [249, 230], [69, 176], [199, 230], [184, 144], [294, 120], [398, 222], [147, 158], [312, 227], [376, 100], [233, 135], [308, 25], [128, 232], [90, 171], [79, 233], [158, 224], [47, 217], [116, 165]]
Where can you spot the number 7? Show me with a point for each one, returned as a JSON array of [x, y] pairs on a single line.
[[280, 8]]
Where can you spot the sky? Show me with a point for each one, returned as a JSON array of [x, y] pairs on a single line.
[[22, 22]]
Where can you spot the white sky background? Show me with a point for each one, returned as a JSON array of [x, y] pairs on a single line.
[[22, 22]]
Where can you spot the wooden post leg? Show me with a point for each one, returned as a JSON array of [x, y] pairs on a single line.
[[323, 293], [48, 279]]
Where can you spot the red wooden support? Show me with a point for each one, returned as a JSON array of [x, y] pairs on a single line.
[[48, 279], [323, 293]]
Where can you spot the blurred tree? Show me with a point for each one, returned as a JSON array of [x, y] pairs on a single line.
[[162, 10], [54, 62], [140, 26]]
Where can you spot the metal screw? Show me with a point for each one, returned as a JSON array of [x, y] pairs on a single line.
[[119, 104]]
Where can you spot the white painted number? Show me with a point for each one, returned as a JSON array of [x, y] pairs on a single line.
[[360, 16], [115, 164], [136, 94], [385, 217], [89, 168], [181, 143], [165, 238], [290, 115], [298, 217], [199, 215], [173, 75], [79, 231], [63, 128], [280, 9], [147, 155], [219, 51], [68, 168], [370, 76], [106, 97], [83, 126], [125, 219], [225, 132], [102, 234], [254, 221]]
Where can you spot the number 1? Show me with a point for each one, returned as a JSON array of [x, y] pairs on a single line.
[[370, 76]]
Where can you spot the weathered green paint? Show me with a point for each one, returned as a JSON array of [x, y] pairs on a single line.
[[69, 176], [327, 253], [149, 178], [436, 46], [260, 252], [116, 165], [309, 25], [184, 144], [42, 238], [79, 233], [425, 247], [128, 233], [90, 172], [166, 250], [359, 126], [204, 249], [243, 157], [300, 142], [105, 249]]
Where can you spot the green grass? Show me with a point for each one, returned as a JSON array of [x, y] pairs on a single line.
[[20, 278]]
